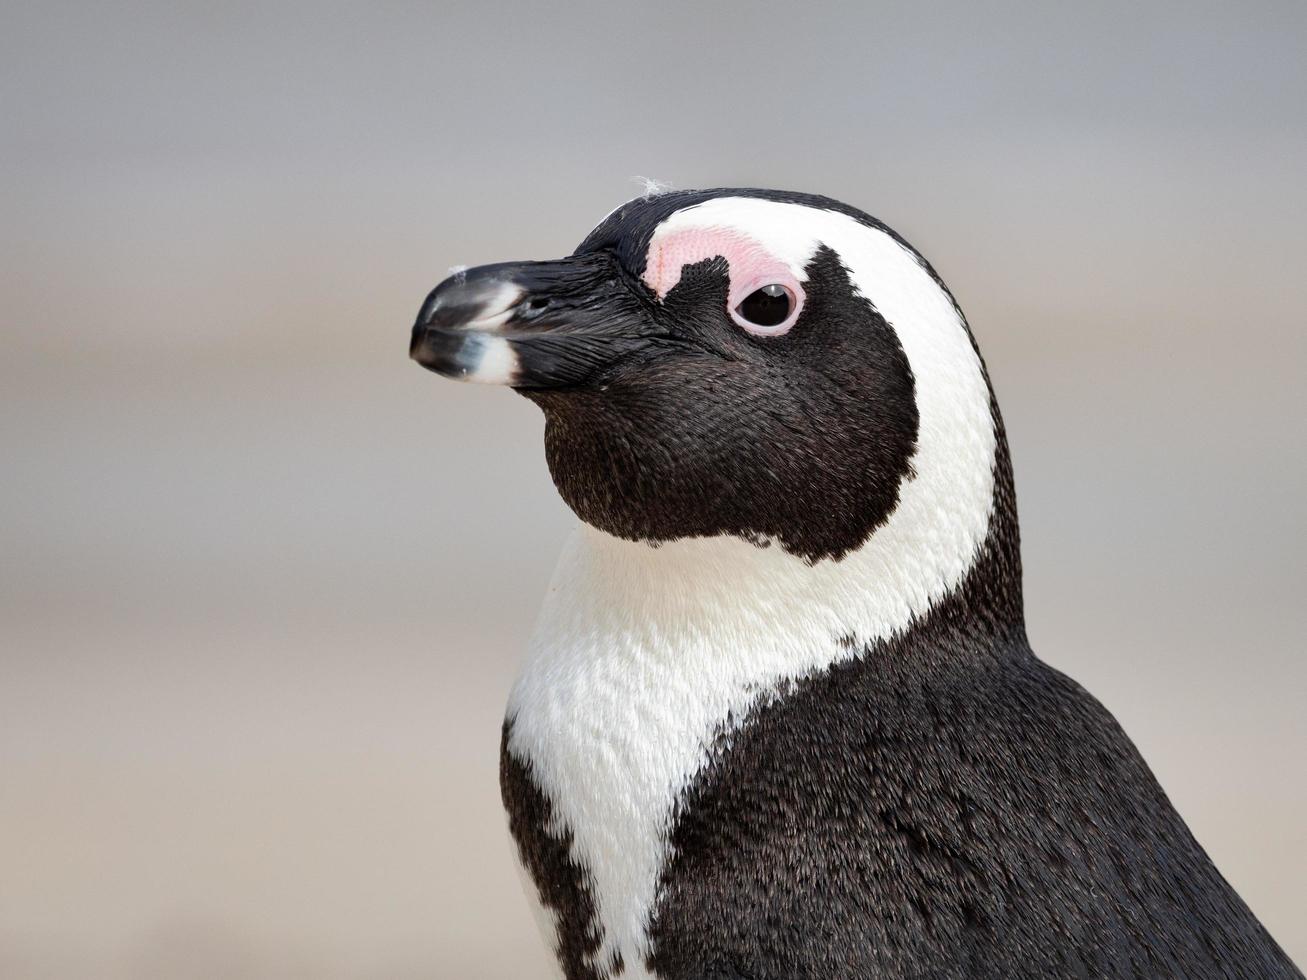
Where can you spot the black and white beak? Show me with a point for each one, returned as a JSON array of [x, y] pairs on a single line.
[[535, 324]]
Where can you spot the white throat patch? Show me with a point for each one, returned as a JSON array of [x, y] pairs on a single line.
[[643, 655]]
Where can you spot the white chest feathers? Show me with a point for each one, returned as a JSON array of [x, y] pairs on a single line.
[[644, 657]]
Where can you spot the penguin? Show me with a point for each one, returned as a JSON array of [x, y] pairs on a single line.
[[779, 719]]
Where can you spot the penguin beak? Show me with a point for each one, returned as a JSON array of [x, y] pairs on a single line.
[[534, 324]]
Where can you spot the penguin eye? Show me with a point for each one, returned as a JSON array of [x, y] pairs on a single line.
[[768, 306], [768, 311]]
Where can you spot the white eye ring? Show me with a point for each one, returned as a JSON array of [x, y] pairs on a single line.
[[767, 286]]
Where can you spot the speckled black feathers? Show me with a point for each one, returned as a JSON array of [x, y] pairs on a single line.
[[547, 859]]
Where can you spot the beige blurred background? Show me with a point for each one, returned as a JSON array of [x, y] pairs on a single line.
[[264, 581]]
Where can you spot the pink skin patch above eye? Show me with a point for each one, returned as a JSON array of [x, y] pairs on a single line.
[[751, 268]]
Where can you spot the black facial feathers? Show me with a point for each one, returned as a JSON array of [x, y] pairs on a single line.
[[803, 439]]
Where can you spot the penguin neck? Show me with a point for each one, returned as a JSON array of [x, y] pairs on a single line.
[[753, 611]]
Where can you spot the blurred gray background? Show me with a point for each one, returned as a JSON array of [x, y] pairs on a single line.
[[265, 581]]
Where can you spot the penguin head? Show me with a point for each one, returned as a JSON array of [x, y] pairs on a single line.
[[771, 366]]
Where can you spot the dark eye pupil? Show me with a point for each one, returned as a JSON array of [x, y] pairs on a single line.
[[767, 306]]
